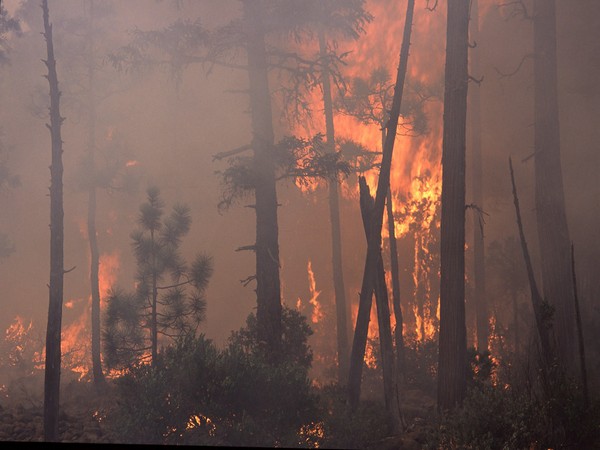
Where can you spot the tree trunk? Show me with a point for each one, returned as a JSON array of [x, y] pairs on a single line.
[[539, 307], [553, 231], [452, 338], [91, 219], [481, 307], [268, 291], [580, 341], [390, 385], [154, 304], [376, 222], [398, 337], [53, 330], [334, 217]]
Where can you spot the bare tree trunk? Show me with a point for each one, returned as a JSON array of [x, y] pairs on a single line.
[[268, 290], [452, 339], [584, 383], [154, 304], [376, 220], [91, 218], [334, 217], [53, 331], [481, 307], [390, 385], [553, 231], [398, 337], [538, 303]]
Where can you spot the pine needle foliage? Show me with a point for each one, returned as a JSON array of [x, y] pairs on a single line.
[[169, 301]]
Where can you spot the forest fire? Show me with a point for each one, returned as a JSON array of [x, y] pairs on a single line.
[[223, 243]]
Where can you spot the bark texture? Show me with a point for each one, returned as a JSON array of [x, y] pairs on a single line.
[[452, 338]]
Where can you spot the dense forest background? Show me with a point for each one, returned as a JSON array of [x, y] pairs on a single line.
[[168, 122]]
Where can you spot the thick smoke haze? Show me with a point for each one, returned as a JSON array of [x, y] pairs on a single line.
[[165, 127]]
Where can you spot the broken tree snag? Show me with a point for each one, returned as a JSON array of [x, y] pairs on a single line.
[[364, 307], [376, 219], [540, 310]]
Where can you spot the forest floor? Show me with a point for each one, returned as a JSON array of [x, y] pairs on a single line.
[[83, 411]]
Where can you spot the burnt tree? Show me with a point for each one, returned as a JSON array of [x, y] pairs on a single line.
[[376, 221], [53, 330], [452, 338]]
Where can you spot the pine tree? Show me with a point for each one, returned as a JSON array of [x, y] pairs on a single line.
[[169, 300]]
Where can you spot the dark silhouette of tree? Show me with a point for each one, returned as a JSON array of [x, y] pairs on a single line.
[[553, 231], [541, 308], [169, 299], [369, 100], [452, 337], [370, 275], [57, 271]]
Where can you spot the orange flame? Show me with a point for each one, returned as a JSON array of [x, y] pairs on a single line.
[[317, 313]]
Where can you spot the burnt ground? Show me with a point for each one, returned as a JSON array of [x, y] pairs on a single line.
[[83, 412]]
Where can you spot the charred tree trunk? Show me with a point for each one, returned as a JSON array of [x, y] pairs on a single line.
[[540, 307], [53, 331], [553, 231], [395, 272], [97, 373], [398, 337], [452, 339], [268, 290], [390, 384], [481, 307], [376, 220], [334, 217]]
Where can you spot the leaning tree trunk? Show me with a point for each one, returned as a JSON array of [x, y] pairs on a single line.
[[374, 238], [539, 305], [268, 291], [481, 307], [452, 338], [390, 380], [53, 331], [334, 217], [395, 272], [553, 231], [97, 373]]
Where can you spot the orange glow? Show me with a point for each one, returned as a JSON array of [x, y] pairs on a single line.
[[108, 271], [317, 313], [131, 163]]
